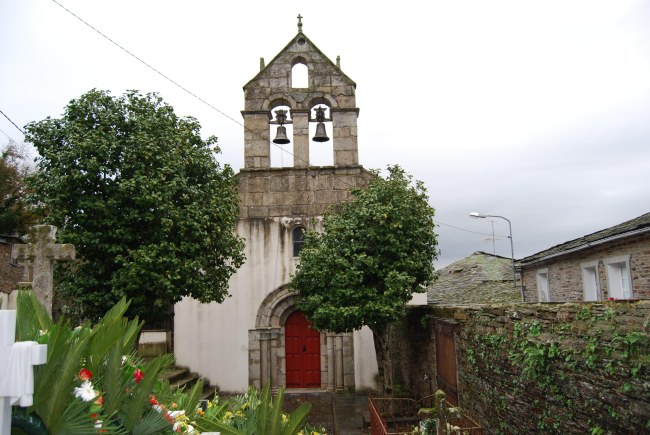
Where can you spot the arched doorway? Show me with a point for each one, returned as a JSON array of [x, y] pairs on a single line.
[[330, 364], [302, 352]]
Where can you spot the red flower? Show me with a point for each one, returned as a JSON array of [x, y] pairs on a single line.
[[153, 400], [85, 375], [138, 375], [99, 401]]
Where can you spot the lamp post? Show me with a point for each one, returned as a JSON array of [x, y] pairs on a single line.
[[477, 215]]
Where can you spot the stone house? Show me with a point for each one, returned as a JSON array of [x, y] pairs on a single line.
[[480, 278], [257, 335], [613, 263]]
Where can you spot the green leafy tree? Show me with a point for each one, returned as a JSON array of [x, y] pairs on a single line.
[[141, 196], [373, 254], [15, 214]]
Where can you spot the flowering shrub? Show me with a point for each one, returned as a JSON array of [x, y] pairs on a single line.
[[93, 382], [255, 412]]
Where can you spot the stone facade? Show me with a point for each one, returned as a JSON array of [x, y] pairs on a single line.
[[565, 274], [589, 267], [284, 192], [273, 87], [242, 341], [554, 368]]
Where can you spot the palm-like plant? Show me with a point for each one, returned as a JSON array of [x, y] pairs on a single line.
[[122, 403], [264, 416], [118, 393]]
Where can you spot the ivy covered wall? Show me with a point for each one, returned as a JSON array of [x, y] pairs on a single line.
[[532, 368]]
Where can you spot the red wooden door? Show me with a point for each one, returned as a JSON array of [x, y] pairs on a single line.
[[302, 351]]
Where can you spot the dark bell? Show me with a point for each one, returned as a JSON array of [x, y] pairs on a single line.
[[321, 135], [281, 136]]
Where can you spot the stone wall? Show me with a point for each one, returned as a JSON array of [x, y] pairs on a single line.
[[565, 273], [10, 272], [278, 192], [532, 368]]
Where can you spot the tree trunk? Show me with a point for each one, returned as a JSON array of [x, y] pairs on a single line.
[[384, 362]]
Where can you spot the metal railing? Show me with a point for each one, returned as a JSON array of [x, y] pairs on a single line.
[[400, 416]]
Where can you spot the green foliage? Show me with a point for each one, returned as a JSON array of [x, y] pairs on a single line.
[[374, 253], [554, 360], [15, 214], [253, 414], [140, 195], [126, 393], [100, 348]]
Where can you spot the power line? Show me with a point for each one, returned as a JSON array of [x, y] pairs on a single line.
[[210, 105], [176, 83], [463, 229], [14, 124], [11, 139], [147, 65]]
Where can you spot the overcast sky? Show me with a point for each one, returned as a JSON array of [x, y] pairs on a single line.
[[538, 111]]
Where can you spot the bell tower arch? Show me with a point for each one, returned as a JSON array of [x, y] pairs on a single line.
[[327, 88]]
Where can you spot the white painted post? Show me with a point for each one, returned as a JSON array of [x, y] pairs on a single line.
[[16, 372]]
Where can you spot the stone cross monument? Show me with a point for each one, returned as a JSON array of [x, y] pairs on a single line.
[[16, 361], [40, 254]]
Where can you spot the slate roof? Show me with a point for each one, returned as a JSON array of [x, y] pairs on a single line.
[[634, 226], [480, 278]]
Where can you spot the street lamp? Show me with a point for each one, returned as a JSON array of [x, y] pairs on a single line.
[[477, 215]]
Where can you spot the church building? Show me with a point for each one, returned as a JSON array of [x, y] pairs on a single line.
[[258, 335]]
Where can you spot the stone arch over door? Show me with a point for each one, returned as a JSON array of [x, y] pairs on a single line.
[[266, 347]]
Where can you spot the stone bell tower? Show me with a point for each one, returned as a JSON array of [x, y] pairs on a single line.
[[327, 87], [258, 336]]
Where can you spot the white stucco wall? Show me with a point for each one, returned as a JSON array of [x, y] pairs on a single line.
[[418, 299], [365, 360], [212, 339], [153, 337]]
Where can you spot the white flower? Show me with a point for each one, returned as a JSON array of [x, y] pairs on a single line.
[[176, 414], [85, 392], [98, 424], [158, 408]]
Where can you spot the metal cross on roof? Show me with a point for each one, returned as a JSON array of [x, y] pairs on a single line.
[[299, 23]]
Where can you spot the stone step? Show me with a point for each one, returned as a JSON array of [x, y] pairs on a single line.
[[181, 377], [174, 373]]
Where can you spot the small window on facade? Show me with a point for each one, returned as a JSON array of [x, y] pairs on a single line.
[[300, 76], [590, 282], [543, 290], [618, 277], [298, 240]]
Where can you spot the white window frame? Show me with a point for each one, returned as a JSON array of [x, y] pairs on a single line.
[[587, 269], [616, 278], [542, 278]]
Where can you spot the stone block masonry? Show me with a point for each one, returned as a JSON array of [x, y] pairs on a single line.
[[10, 272], [565, 278], [538, 368], [279, 192]]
